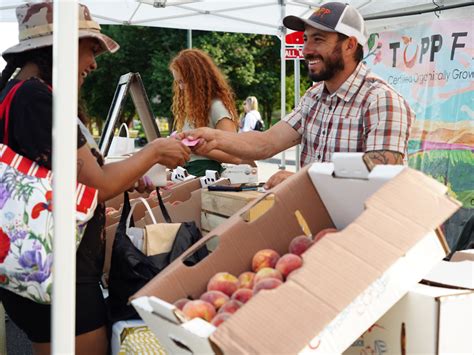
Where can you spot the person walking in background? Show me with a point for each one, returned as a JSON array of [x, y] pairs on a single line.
[[28, 77], [202, 98], [252, 120], [349, 109]]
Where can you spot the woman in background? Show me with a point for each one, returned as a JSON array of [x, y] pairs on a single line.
[[202, 98], [252, 120]]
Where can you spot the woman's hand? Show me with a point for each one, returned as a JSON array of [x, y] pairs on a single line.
[[170, 152], [142, 185]]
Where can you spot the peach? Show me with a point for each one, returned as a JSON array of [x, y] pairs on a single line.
[[180, 303], [266, 284], [264, 258], [224, 282], [323, 232], [216, 298], [199, 309], [231, 306], [299, 245], [287, 263], [246, 279], [242, 295], [220, 318], [268, 272]]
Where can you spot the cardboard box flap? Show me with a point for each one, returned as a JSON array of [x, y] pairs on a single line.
[[300, 316], [188, 210], [413, 195], [462, 255], [453, 274], [180, 191], [344, 195]]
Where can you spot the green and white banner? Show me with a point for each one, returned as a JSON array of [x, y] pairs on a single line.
[[431, 65]]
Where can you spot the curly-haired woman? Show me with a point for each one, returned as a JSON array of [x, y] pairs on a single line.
[[202, 98]]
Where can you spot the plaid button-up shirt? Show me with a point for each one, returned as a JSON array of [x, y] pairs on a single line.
[[364, 114]]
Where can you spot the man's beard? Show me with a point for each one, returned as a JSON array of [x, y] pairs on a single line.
[[333, 65]]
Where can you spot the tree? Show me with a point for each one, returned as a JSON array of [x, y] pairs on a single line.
[[148, 56]]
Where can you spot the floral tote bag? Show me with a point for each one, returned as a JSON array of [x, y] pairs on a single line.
[[26, 223]]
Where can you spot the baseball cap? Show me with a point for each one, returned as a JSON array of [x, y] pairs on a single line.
[[332, 17], [35, 21]]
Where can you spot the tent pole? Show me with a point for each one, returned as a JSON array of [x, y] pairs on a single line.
[[297, 99], [282, 165], [190, 39], [65, 81]]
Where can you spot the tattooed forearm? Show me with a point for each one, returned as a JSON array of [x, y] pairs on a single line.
[[382, 157], [80, 164]]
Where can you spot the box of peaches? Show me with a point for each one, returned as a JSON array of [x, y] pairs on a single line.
[[226, 293], [283, 284]]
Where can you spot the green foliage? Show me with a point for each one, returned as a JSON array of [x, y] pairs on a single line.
[[305, 84], [146, 50]]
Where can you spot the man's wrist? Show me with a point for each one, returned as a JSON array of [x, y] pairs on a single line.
[[219, 138]]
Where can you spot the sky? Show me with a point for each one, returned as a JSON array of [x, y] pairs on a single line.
[[8, 38]]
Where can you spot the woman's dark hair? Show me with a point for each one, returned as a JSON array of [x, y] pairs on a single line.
[[359, 53], [42, 57]]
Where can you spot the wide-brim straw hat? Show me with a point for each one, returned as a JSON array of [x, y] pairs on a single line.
[[35, 22]]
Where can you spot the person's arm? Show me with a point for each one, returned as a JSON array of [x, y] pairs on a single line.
[[247, 145], [114, 178], [224, 124], [390, 119], [373, 158]]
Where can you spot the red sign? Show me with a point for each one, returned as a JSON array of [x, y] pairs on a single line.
[[294, 53], [295, 38]]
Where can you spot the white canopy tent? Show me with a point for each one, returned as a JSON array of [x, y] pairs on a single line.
[[246, 16]]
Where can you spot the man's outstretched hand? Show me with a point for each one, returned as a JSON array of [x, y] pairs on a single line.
[[277, 178], [206, 136]]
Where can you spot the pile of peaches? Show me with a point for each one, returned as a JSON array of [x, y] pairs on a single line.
[[227, 293]]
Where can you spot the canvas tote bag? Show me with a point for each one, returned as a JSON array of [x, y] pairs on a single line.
[[121, 145]]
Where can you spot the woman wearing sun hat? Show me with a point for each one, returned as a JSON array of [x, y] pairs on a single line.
[[29, 133]]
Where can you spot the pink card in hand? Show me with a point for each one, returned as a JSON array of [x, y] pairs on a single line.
[[189, 142]]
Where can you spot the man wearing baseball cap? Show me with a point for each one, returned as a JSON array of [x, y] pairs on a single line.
[[348, 109]]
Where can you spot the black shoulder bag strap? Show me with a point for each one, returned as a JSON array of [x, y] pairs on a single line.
[[164, 211]]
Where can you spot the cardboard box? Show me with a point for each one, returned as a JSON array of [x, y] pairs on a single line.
[[218, 206], [347, 282], [429, 319]]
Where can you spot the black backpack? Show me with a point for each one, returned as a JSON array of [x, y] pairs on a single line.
[[259, 126]]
